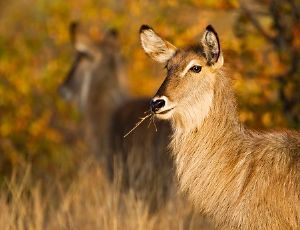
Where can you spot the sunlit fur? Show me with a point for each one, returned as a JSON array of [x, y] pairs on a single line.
[[243, 179]]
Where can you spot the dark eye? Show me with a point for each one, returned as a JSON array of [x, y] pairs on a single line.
[[196, 68]]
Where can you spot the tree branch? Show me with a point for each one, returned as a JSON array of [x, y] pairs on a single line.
[[295, 9], [256, 23]]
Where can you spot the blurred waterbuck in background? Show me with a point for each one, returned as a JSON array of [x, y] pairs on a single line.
[[95, 82], [243, 179]]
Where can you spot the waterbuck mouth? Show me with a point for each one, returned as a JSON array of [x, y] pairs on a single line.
[[165, 111]]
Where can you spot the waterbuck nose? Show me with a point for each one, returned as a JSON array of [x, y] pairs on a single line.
[[157, 104]]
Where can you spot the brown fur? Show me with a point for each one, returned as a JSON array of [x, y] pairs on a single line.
[[243, 179]]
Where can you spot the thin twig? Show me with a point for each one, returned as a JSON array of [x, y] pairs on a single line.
[[137, 124]]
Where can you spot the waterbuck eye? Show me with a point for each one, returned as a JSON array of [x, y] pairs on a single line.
[[196, 68], [85, 55]]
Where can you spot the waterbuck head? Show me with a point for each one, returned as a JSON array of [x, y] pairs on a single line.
[[94, 64], [187, 92]]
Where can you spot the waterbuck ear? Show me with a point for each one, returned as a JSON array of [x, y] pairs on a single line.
[[111, 37], [156, 47], [80, 41], [211, 45], [73, 28]]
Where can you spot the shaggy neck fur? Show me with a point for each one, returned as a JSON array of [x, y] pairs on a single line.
[[242, 179]]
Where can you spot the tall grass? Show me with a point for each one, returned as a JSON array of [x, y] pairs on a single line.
[[90, 201]]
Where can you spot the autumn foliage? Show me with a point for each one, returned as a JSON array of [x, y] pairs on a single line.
[[261, 43]]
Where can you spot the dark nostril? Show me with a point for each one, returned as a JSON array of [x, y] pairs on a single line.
[[156, 105]]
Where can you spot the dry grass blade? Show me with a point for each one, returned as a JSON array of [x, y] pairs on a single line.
[[153, 121], [148, 111], [137, 124]]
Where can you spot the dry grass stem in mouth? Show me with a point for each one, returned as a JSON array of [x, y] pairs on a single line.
[[137, 124], [148, 111], [153, 121]]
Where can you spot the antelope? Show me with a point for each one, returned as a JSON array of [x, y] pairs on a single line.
[[241, 178], [89, 83], [93, 82]]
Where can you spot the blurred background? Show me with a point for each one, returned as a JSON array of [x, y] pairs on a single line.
[[260, 40]]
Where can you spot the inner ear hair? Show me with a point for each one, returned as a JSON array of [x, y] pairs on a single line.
[[211, 45], [156, 47]]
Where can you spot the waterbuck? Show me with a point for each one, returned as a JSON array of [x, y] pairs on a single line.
[[109, 113], [93, 83], [243, 179]]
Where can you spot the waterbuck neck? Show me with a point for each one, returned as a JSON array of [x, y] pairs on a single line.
[[105, 92], [104, 97], [207, 150], [228, 170]]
